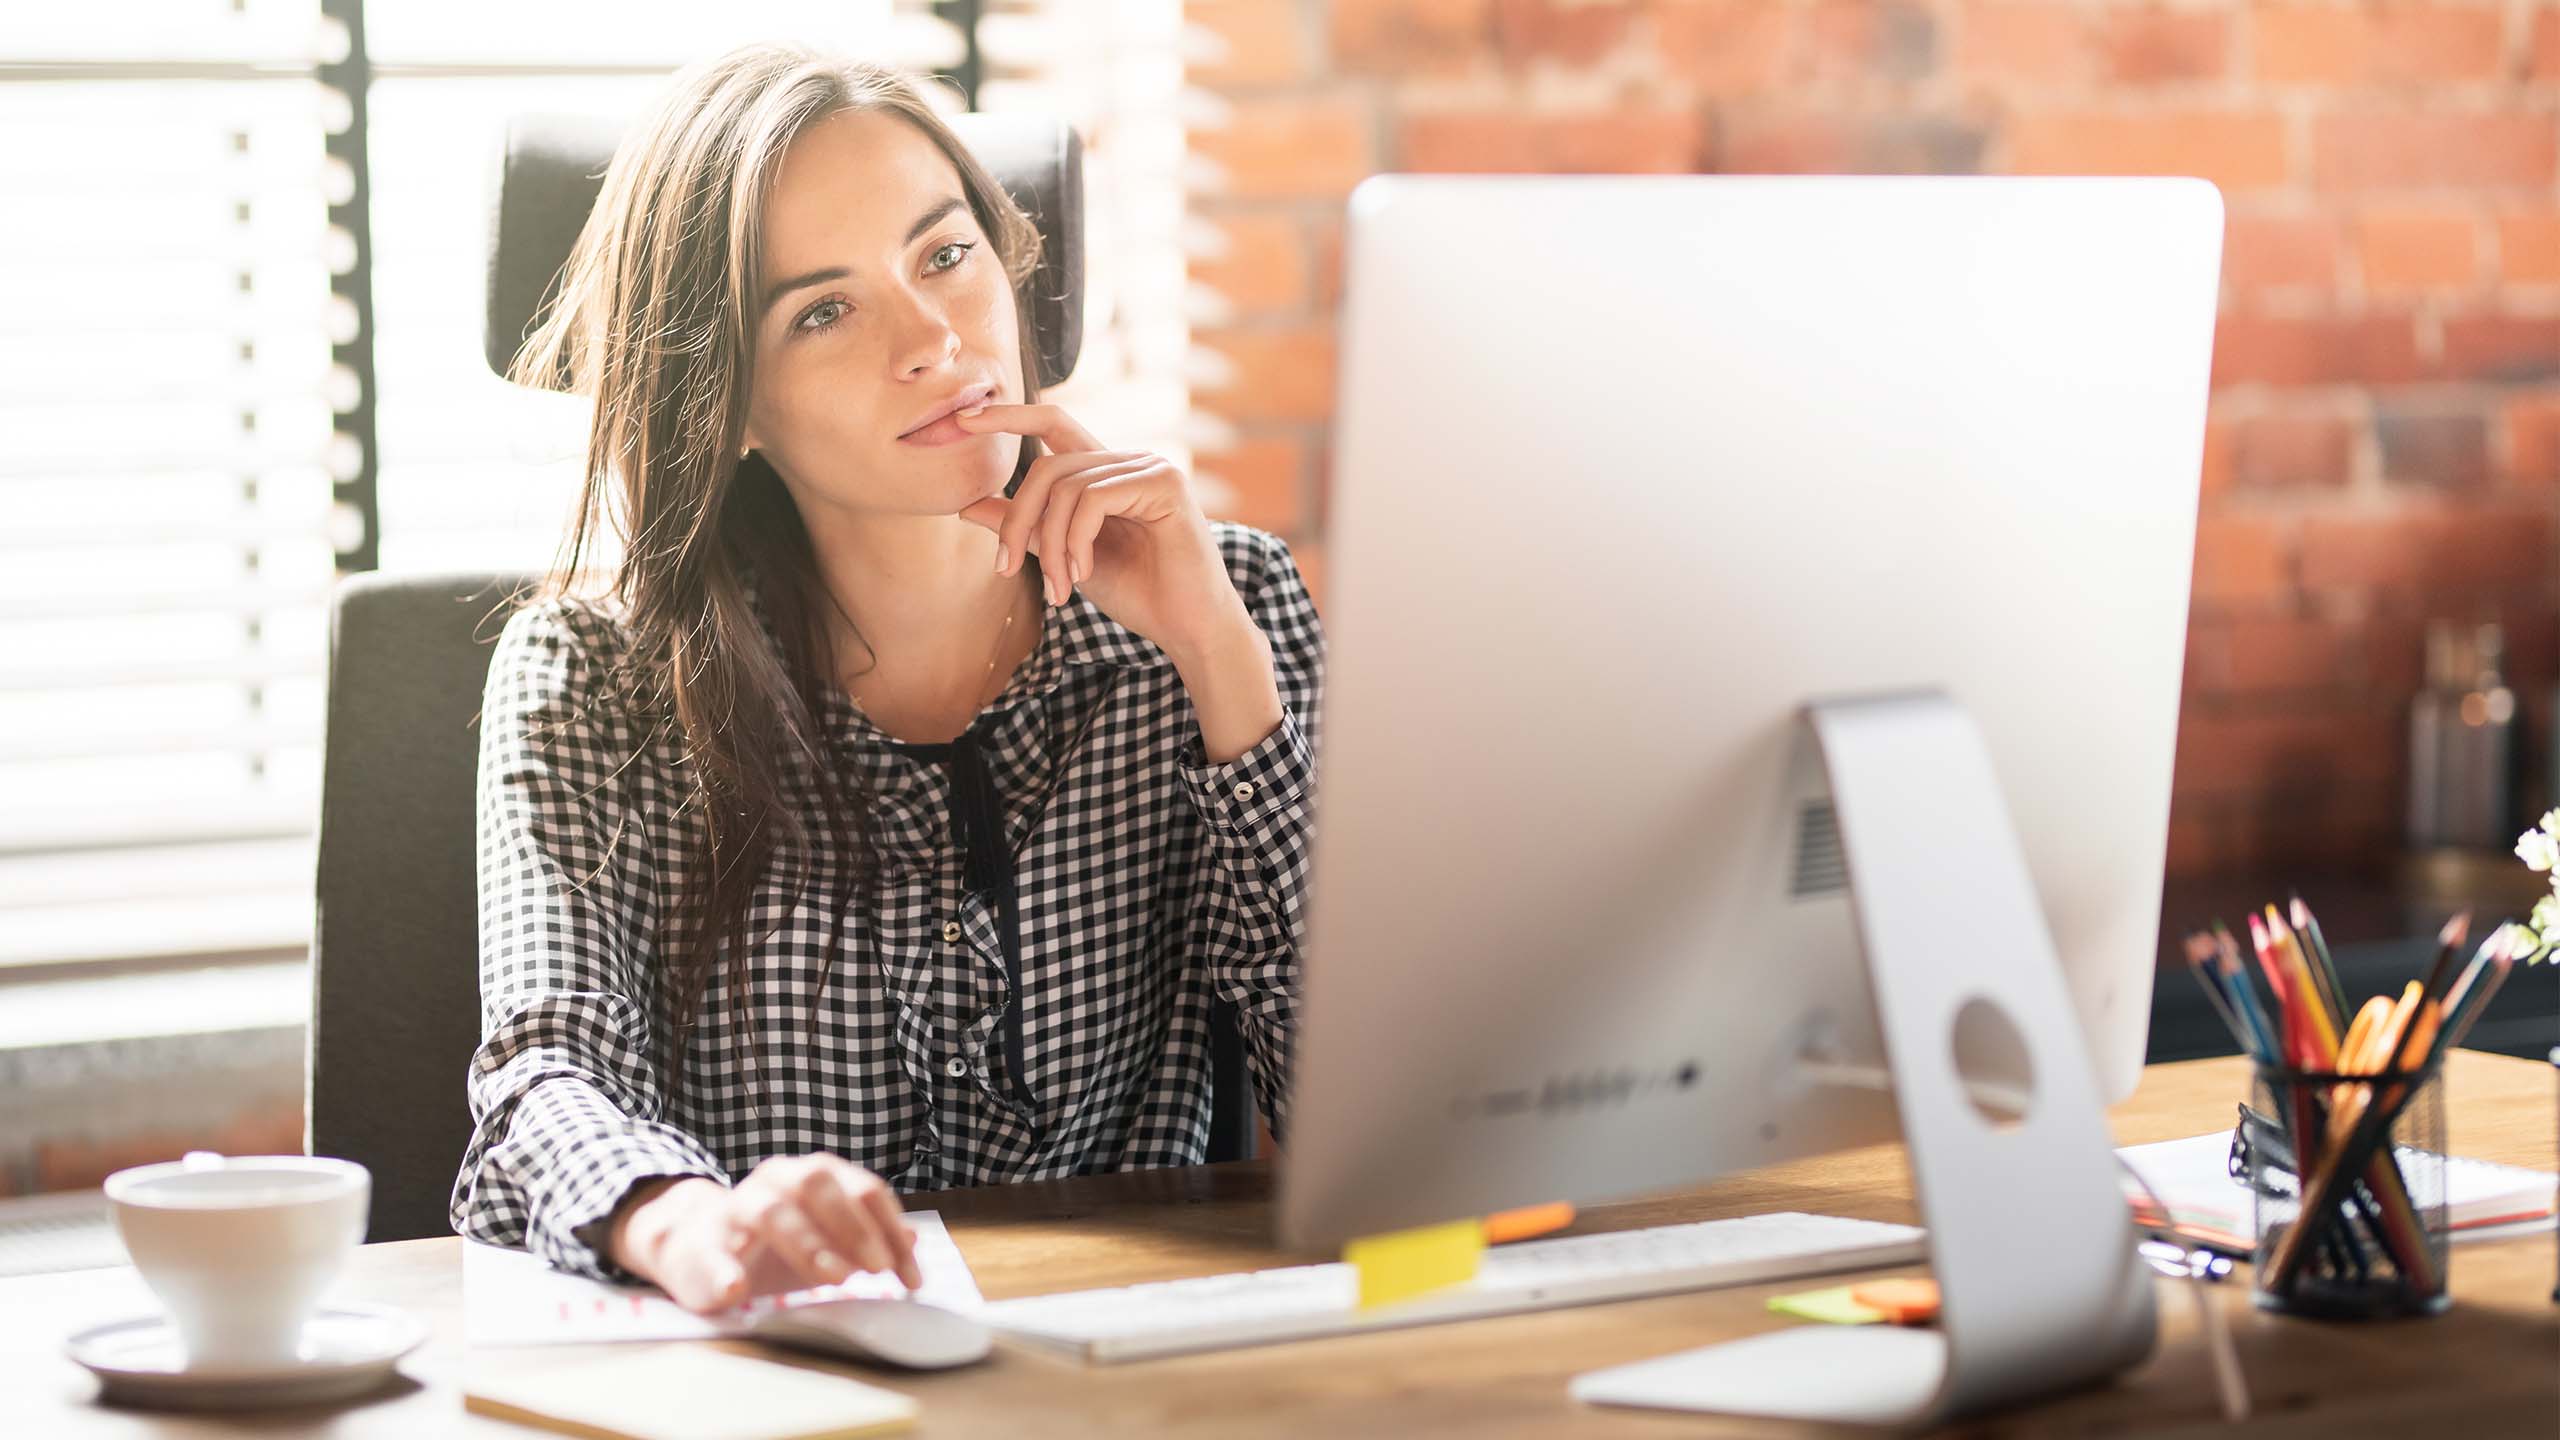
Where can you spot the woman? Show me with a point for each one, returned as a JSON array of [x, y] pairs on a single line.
[[894, 815]]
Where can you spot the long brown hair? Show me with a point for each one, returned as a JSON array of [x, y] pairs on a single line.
[[653, 321]]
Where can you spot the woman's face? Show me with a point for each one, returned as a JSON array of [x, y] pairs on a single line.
[[883, 302]]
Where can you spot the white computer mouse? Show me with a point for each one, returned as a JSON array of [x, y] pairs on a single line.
[[906, 1333]]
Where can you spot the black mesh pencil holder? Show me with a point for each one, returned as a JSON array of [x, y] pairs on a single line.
[[2352, 1225]]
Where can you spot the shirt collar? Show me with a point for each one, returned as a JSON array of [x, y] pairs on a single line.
[[1074, 634]]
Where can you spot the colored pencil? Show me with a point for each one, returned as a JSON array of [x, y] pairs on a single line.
[[2471, 997], [2448, 943], [2317, 946], [2325, 1019], [2244, 996], [2200, 960]]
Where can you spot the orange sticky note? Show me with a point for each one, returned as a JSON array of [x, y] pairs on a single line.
[[1904, 1302]]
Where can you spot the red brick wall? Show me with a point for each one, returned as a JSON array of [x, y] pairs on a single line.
[[269, 1124], [2384, 440]]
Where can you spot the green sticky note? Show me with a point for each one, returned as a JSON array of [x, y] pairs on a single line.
[[1405, 1263], [1830, 1307]]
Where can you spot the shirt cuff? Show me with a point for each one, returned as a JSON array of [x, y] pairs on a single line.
[[587, 1178], [1264, 781]]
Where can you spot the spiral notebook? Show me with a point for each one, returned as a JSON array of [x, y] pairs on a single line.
[[2193, 1178]]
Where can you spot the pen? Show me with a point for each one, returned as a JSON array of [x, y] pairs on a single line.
[[2201, 1265], [2201, 1262]]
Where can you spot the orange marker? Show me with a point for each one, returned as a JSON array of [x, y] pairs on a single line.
[[2360, 1033], [1526, 1222]]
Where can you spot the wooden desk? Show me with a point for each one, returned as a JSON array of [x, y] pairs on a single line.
[[2490, 1367]]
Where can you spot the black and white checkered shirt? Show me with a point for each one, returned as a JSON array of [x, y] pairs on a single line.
[[1149, 882]]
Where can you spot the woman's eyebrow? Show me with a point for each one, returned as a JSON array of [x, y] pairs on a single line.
[[930, 218]]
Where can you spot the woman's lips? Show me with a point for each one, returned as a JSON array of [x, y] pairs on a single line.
[[947, 431], [944, 431]]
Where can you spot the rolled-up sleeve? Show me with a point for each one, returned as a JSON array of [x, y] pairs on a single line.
[[565, 1100], [1247, 919]]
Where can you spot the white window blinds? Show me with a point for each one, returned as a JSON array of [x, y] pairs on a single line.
[[165, 423], [169, 394]]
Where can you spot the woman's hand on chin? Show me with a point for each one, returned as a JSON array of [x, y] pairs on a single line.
[[1122, 524]]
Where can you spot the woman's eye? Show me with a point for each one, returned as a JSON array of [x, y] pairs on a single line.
[[805, 315], [945, 257]]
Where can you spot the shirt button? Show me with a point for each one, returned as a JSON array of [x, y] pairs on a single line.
[[950, 929], [1244, 790], [957, 1068]]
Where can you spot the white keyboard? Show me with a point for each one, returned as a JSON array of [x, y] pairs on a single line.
[[1259, 1307]]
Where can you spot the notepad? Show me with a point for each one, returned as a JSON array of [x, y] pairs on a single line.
[[2193, 1178], [690, 1392]]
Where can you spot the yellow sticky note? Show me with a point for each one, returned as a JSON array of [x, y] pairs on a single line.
[[1404, 1263]]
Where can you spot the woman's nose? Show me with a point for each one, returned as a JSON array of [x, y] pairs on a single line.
[[926, 339]]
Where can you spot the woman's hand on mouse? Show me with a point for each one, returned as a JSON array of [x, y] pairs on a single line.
[[794, 1221], [1121, 524]]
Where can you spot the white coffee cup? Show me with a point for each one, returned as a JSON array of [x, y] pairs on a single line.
[[241, 1247]]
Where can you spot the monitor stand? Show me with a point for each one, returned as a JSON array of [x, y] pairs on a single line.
[[2041, 1287]]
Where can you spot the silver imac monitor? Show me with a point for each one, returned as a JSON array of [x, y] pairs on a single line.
[[1630, 472]]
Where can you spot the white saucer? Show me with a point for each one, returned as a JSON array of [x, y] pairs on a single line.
[[347, 1350]]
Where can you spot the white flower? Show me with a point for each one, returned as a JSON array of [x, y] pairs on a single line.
[[2538, 850]]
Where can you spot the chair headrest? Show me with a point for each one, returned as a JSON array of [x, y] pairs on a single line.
[[553, 167]]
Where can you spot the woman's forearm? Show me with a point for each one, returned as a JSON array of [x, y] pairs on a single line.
[[1234, 689]]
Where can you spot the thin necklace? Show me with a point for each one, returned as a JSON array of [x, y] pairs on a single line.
[[998, 654]]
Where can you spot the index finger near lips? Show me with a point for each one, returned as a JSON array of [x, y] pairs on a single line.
[[1046, 423]]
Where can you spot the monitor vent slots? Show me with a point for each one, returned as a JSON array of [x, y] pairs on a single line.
[[1820, 868]]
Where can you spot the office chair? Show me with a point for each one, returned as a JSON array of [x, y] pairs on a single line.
[[396, 991]]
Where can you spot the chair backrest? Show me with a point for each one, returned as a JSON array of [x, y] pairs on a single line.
[[396, 991], [395, 1008]]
